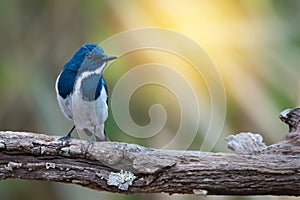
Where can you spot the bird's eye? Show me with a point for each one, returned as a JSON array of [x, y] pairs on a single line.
[[88, 56]]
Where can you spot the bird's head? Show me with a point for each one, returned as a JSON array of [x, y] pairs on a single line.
[[89, 57]]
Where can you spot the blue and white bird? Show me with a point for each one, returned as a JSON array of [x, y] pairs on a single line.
[[82, 92]]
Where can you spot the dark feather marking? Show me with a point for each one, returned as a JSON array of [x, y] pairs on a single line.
[[91, 87]]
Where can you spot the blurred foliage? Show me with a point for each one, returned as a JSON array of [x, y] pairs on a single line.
[[255, 45]]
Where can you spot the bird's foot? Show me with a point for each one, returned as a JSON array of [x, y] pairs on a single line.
[[90, 145], [65, 138], [68, 136], [96, 139]]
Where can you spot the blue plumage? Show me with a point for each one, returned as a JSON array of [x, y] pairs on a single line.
[[79, 57], [82, 92], [103, 83], [66, 82]]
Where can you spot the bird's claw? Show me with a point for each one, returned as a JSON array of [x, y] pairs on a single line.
[[65, 138], [68, 136], [89, 146]]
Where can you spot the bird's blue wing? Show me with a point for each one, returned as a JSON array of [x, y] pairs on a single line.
[[103, 82], [66, 83]]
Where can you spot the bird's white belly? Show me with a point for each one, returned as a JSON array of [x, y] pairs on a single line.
[[89, 114]]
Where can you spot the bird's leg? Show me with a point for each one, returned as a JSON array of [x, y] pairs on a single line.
[[102, 137], [68, 136], [95, 139], [91, 142], [106, 138]]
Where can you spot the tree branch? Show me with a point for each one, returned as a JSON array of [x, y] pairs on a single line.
[[255, 169]]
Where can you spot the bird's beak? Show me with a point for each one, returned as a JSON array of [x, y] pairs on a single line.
[[107, 58]]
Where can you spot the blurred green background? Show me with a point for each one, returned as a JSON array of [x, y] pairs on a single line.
[[255, 45]]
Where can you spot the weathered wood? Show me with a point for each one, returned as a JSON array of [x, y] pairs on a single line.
[[254, 169]]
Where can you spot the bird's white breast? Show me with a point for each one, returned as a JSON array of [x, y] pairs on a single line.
[[88, 114]]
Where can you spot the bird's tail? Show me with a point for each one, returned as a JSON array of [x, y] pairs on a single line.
[[92, 134]]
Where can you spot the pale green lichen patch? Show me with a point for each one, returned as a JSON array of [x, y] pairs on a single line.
[[122, 179], [43, 150], [200, 192], [50, 165], [2, 144], [12, 165], [65, 151]]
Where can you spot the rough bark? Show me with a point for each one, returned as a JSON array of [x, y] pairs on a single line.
[[254, 168]]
